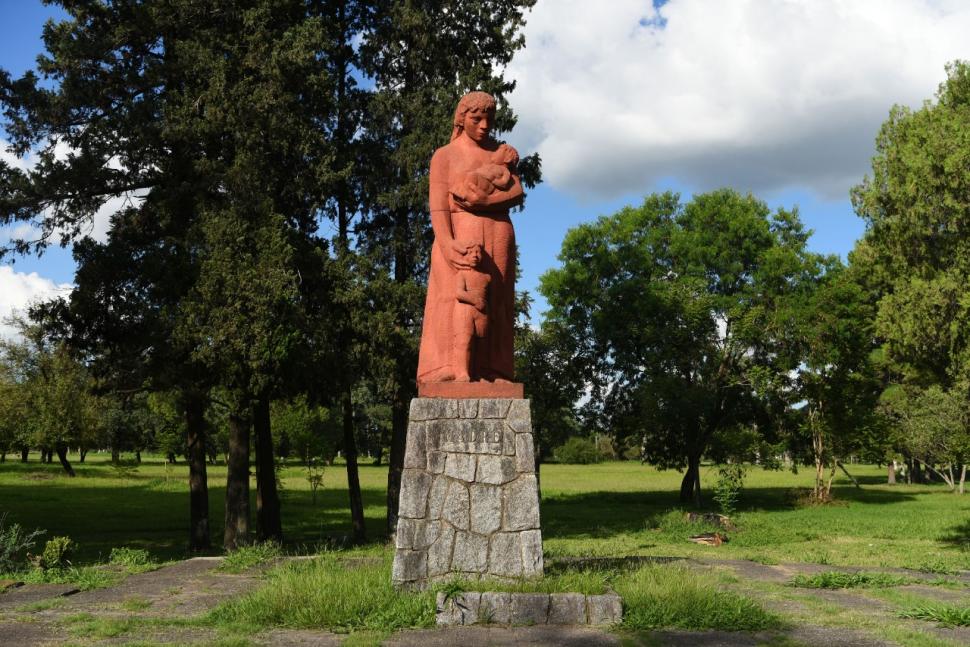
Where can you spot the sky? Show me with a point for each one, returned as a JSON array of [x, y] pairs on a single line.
[[622, 98]]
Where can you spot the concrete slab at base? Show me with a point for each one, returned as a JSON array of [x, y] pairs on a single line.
[[473, 608]]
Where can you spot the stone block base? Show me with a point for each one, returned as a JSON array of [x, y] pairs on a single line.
[[469, 505], [528, 609]]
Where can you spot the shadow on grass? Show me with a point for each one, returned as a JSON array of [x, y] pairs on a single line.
[[959, 535], [150, 512], [604, 514]]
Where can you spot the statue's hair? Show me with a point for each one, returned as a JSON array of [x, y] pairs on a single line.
[[473, 101]]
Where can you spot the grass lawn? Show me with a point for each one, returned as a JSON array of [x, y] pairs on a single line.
[[610, 509]]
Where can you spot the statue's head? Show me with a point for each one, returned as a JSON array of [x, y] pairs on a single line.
[[477, 104]]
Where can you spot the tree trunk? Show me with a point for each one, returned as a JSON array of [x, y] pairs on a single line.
[[138, 456], [170, 458], [690, 485], [62, 457], [236, 531], [851, 478], [353, 478], [3, 456], [115, 454], [82, 454], [199, 539], [268, 521], [24, 453], [395, 459], [891, 473], [963, 477]]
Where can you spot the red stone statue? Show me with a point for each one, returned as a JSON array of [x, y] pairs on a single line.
[[466, 343]]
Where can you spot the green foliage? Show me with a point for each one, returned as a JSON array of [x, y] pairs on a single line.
[[15, 542], [246, 557], [56, 554], [946, 615], [311, 432], [132, 558], [660, 596], [715, 284], [578, 451], [841, 580], [325, 593], [727, 488]]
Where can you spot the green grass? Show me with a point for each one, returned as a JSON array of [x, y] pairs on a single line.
[[839, 580], [946, 615], [328, 593], [246, 557], [586, 581], [607, 509], [84, 578], [657, 596]]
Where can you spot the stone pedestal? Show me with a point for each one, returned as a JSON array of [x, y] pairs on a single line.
[[469, 503]]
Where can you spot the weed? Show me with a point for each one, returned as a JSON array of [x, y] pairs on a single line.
[[55, 555], [133, 558], [840, 580], [14, 544], [946, 615], [136, 604], [727, 488], [325, 593], [246, 557], [42, 605], [658, 596]]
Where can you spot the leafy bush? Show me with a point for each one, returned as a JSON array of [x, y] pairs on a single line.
[[727, 488], [14, 544], [577, 451], [55, 555]]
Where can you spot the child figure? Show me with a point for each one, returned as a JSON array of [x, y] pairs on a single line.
[[470, 317]]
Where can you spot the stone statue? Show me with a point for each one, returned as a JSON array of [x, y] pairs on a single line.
[[469, 312]]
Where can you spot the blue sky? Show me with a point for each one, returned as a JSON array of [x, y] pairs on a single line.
[[635, 96]]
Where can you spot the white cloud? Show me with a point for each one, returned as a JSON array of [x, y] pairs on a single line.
[[99, 224], [756, 94], [18, 291]]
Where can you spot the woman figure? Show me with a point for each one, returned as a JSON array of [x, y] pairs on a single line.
[[473, 185]]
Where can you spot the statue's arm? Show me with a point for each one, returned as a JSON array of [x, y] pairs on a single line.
[[497, 200], [440, 206]]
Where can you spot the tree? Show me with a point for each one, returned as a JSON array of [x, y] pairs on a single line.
[[552, 384], [916, 204], [195, 112], [422, 56], [679, 316], [835, 380]]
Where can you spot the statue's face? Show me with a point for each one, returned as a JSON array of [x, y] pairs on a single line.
[[478, 124]]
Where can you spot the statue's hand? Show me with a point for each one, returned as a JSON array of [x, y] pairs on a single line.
[[458, 254]]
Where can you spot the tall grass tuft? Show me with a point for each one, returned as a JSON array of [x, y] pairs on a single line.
[[324, 593], [656, 596], [246, 557], [948, 616], [840, 580]]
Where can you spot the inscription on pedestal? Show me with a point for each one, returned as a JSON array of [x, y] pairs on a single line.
[[469, 503]]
